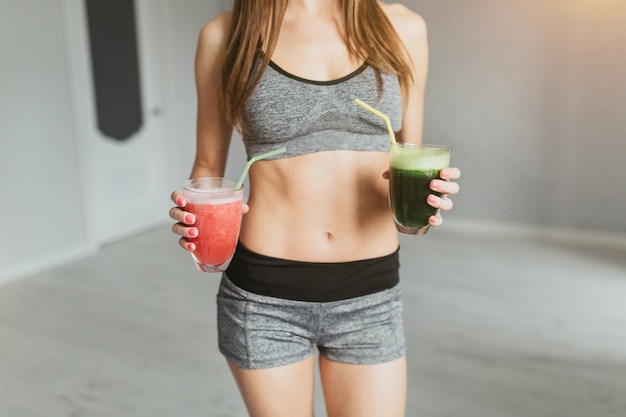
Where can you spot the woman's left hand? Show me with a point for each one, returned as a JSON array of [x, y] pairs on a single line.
[[446, 187]]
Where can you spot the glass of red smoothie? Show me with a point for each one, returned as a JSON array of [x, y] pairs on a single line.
[[216, 203]]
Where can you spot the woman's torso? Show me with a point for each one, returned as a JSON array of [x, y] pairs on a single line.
[[321, 207], [328, 205]]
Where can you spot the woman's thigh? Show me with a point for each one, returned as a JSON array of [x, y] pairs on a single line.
[[364, 390], [284, 391]]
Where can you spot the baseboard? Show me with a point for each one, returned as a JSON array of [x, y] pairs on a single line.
[[493, 228], [52, 260], [55, 259]]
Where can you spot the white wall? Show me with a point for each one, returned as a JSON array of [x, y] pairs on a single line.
[[531, 94], [186, 18], [42, 215], [41, 218]]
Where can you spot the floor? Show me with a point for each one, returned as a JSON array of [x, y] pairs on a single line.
[[497, 325]]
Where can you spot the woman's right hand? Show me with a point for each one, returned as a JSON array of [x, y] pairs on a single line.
[[184, 222], [184, 226]]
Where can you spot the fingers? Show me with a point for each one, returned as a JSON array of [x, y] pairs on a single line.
[[441, 203], [450, 173], [386, 174], [444, 187], [186, 233], [183, 219], [182, 216], [178, 199], [183, 230], [187, 245], [435, 220]]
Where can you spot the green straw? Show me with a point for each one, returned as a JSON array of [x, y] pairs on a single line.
[[254, 159], [379, 114]]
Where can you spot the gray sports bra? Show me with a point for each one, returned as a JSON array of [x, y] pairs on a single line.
[[308, 116]]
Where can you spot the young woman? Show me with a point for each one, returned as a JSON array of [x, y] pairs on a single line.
[[317, 264]]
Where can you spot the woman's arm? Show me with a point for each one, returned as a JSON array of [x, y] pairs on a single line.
[[412, 30], [213, 131]]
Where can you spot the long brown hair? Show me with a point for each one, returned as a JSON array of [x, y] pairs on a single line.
[[255, 25]]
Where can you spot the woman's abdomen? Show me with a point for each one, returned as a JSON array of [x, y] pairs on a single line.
[[323, 207]]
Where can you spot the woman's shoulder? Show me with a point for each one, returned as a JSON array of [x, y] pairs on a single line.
[[408, 23], [215, 32]]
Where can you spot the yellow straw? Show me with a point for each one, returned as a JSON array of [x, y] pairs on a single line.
[[379, 114]]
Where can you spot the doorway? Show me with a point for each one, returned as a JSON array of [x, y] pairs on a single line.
[[125, 184]]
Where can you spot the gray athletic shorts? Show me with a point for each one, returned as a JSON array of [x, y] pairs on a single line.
[[258, 331]]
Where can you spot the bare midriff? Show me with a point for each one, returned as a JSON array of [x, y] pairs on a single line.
[[322, 207]]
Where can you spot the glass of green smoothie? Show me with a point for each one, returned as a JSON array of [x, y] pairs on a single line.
[[411, 169]]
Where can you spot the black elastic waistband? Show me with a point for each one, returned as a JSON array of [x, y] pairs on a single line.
[[312, 281]]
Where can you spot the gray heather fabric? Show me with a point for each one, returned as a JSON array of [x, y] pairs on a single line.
[[257, 331], [311, 116]]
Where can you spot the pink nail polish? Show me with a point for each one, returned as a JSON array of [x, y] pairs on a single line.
[[192, 232], [190, 246], [188, 218], [432, 199], [179, 201]]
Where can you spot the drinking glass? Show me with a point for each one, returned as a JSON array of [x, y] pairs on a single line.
[[412, 167], [216, 203]]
